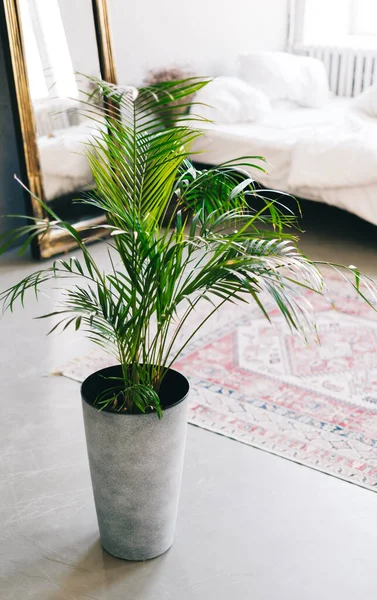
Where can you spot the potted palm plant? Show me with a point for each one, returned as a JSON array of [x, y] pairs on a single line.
[[216, 248]]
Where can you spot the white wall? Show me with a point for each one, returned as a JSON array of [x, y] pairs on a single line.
[[205, 34]]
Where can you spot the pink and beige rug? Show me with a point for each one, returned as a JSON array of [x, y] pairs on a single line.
[[261, 385]]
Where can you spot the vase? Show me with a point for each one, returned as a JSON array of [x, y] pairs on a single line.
[[136, 463]]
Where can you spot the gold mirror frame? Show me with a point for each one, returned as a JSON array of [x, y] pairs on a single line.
[[53, 242]]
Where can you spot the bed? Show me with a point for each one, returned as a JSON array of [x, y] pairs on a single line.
[[62, 132], [326, 153], [64, 166]]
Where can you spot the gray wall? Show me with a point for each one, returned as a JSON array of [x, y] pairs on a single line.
[[12, 197]]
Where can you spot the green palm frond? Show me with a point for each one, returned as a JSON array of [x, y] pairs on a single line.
[[219, 246]]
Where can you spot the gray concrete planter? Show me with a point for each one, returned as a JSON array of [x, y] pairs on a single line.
[[136, 467]]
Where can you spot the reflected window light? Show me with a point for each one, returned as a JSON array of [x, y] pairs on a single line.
[[37, 81], [56, 47]]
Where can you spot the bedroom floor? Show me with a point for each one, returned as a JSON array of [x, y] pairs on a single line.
[[251, 525]]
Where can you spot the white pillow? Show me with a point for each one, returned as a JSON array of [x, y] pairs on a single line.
[[366, 102], [254, 103], [283, 76], [216, 105], [231, 100]]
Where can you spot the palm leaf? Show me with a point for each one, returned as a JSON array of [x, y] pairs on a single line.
[[228, 250]]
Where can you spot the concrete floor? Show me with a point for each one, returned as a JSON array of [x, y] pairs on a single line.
[[251, 526]]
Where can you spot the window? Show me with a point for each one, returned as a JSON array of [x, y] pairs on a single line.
[[363, 17], [325, 21], [345, 22]]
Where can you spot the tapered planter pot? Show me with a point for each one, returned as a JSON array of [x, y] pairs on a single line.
[[136, 465]]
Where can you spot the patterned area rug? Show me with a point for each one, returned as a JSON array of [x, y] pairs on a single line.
[[261, 385]]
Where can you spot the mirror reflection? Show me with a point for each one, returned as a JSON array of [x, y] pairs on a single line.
[[60, 45]]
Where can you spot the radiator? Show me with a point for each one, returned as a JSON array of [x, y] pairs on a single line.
[[350, 71]]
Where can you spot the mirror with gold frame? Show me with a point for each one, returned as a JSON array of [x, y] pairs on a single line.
[[55, 45]]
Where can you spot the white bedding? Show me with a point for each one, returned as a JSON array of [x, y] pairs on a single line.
[[64, 166], [327, 154]]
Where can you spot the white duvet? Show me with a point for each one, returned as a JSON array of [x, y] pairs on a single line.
[[64, 165], [336, 155], [322, 152]]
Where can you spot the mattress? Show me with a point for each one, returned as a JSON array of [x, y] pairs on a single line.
[[327, 154]]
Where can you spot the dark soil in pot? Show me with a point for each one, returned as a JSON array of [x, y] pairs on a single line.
[[174, 388]]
